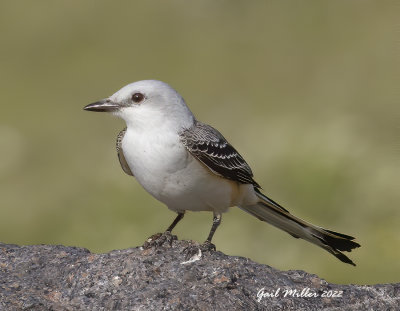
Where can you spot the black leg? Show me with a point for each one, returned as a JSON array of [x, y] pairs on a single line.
[[176, 220], [207, 246], [216, 222]]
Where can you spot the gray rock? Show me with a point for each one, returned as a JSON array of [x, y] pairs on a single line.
[[47, 277]]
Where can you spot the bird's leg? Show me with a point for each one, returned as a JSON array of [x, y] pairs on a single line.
[[159, 239], [216, 222], [176, 220], [194, 250]]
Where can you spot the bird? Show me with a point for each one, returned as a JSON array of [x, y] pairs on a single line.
[[190, 166]]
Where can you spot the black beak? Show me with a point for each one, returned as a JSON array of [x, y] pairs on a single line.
[[104, 105]]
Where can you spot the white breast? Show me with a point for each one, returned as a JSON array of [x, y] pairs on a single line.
[[152, 157]]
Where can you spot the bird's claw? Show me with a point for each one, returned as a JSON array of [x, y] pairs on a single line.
[[193, 250], [159, 239], [207, 246]]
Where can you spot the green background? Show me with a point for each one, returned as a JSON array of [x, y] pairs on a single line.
[[307, 91]]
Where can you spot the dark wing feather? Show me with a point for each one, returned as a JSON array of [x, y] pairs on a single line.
[[120, 152], [208, 146]]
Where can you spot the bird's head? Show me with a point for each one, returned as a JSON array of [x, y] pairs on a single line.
[[147, 103]]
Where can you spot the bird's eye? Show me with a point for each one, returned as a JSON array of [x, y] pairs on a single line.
[[137, 97]]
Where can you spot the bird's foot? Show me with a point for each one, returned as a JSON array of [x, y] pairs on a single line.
[[197, 250], [159, 239], [207, 246]]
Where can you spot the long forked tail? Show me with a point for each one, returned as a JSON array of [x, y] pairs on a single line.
[[274, 214]]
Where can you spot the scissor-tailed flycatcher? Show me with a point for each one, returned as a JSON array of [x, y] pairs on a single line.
[[188, 165]]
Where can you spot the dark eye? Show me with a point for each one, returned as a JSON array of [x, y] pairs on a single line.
[[137, 97]]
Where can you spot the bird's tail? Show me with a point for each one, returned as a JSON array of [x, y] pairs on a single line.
[[274, 214]]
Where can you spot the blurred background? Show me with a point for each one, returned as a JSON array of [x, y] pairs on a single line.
[[316, 82]]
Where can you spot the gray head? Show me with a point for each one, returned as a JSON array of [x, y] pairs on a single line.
[[146, 104]]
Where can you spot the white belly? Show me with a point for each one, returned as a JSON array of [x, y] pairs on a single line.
[[162, 165]]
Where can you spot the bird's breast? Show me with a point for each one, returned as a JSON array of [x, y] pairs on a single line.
[[154, 157]]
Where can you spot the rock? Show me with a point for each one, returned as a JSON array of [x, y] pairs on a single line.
[[47, 277]]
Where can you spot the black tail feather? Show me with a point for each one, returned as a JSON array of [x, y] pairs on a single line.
[[335, 252], [340, 234], [340, 241]]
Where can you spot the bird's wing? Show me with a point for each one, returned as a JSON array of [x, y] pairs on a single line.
[[208, 146], [120, 152]]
